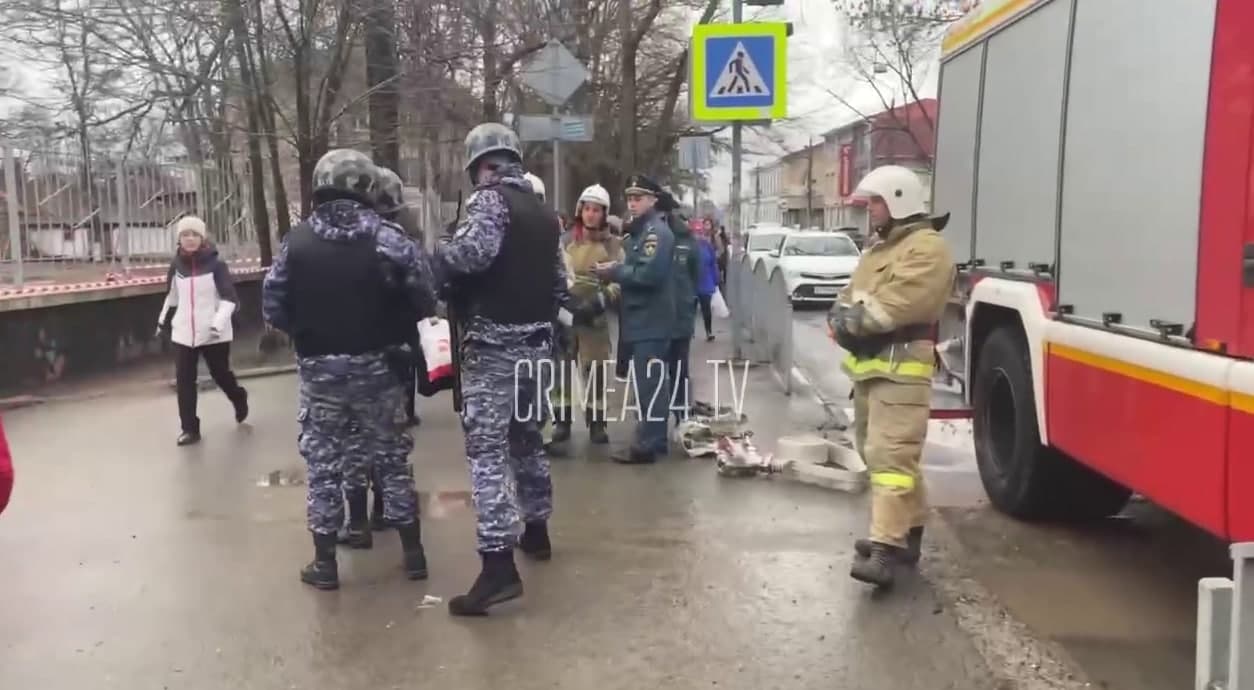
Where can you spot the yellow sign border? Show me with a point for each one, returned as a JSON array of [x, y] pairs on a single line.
[[698, 99]]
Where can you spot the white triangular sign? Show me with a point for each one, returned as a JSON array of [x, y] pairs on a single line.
[[740, 77]]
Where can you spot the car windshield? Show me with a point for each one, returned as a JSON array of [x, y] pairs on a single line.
[[836, 245], [764, 242]]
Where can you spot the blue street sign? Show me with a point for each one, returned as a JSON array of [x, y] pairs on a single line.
[[739, 72]]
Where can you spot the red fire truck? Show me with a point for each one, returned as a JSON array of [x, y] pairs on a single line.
[[1096, 158]]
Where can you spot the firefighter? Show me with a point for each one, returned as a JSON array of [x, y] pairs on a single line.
[[885, 319], [587, 244]]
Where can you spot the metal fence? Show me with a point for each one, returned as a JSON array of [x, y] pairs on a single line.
[[761, 314], [67, 218]]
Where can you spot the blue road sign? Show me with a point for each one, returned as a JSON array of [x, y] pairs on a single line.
[[739, 72]]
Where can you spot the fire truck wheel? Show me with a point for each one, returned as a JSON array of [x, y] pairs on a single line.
[[1022, 477]]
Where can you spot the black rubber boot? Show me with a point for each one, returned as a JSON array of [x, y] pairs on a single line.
[[241, 406], [877, 568], [322, 572], [909, 556], [377, 523], [415, 558], [187, 438], [356, 534], [535, 541], [498, 582]]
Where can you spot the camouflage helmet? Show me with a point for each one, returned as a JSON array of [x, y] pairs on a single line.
[[490, 137], [388, 191], [345, 173]]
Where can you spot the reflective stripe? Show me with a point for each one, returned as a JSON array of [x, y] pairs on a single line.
[[875, 365], [895, 480]]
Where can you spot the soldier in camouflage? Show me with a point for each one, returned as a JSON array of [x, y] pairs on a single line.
[[507, 281], [344, 286]]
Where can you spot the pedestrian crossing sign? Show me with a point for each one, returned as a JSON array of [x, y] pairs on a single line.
[[739, 72]]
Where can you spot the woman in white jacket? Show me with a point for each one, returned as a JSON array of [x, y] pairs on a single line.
[[197, 314]]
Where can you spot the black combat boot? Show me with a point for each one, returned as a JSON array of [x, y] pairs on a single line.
[[535, 541], [415, 557], [498, 582], [877, 568], [596, 428], [322, 572], [909, 556], [356, 533]]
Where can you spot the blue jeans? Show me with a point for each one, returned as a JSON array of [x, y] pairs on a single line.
[[649, 363]]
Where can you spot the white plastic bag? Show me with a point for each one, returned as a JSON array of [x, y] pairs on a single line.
[[433, 334], [718, 306]]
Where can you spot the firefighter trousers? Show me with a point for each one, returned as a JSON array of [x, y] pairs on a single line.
[[890, 426]]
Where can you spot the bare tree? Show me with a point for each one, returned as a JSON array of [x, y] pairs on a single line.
[[892, 46]]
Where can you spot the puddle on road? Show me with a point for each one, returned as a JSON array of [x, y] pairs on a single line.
[[277, 478]]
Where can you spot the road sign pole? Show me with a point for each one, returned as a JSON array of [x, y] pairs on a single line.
[[737, 16], [557, 162]]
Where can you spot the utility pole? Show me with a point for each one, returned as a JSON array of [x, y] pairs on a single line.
[[737, 229], [810, 184]]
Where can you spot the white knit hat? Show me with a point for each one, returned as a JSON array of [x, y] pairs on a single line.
[[190, 224]]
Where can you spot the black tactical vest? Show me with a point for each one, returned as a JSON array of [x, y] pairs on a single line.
[[339, 300], [517, 287]]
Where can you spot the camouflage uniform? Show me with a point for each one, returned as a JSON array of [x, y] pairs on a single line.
[[500, 422], [343, 286], [351, 406]]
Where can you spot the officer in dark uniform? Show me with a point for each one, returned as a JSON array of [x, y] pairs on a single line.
[[686, 274], [647, 320], [507, 282], [343, 286]]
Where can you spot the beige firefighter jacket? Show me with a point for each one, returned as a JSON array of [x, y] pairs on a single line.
[[592, 342], [904, 280]]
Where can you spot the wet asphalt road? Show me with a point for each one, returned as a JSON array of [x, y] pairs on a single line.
[[1119, 596], [130, 563]]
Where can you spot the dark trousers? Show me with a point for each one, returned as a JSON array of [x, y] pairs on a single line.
[[218, 359], [652, 392], [707, 317], [677, 366]]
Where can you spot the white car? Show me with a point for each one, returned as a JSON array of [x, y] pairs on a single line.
[[760, 241], [816, 265]]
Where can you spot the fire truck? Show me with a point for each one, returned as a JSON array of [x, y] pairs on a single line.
[[1095, 157]]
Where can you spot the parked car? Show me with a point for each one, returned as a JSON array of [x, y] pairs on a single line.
[[761, 240], [816, 265]]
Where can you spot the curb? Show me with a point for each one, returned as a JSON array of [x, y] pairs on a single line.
[[18, 402], [1016, 657]]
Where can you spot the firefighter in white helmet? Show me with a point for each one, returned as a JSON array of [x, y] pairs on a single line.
[[885, 318], [587, 244]]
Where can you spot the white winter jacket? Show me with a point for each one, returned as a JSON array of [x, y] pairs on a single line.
[[200, 301]]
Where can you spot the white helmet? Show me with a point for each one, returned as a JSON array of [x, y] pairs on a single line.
[[899, 187], [537, 185], [597, 195]]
